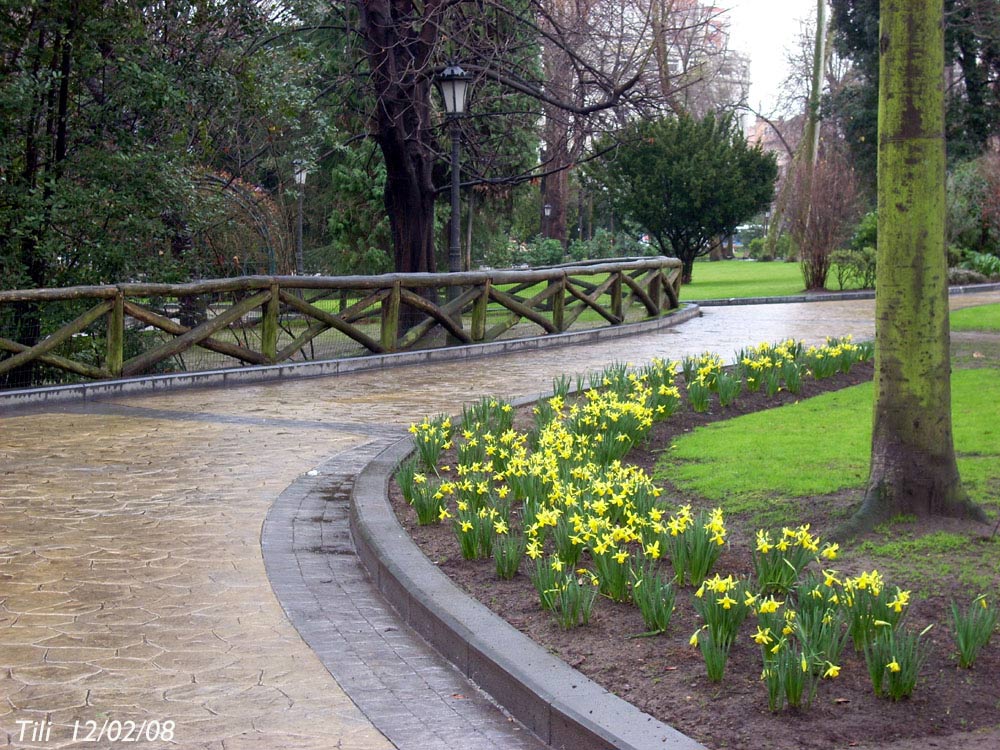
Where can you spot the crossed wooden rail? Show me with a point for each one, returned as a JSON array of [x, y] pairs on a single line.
[[259, 320]]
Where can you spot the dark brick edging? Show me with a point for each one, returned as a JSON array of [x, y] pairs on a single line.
[[563, 707]]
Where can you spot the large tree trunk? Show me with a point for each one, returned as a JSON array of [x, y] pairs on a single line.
[[399, 52], [913, 467], [555, 194], [409, 201]]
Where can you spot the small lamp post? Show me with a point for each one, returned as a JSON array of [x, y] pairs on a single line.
[[547, 211], [300, 181], [454, 85]]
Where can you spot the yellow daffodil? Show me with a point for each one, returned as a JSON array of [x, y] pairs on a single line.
[[763, 636]]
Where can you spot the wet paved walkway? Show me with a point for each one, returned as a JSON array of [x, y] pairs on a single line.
[[132, 582]]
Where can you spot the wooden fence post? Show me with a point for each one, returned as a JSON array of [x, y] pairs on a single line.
[[654, 288], [479, 309], [269, 324], [559, 304], [116, 336], [616, 297], [390, 318]]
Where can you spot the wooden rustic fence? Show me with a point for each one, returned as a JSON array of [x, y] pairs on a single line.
[[97, 332]]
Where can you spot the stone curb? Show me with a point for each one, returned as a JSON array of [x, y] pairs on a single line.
[[270, 373], [559, 704]]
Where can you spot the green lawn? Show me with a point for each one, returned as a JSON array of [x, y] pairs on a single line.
[[765, 464], [740, 278], [981, 318], [821, 445]]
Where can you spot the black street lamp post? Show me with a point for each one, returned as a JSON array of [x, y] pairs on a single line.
[[454, 85], [300, 182]]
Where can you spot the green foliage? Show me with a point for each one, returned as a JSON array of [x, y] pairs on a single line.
[[425, 497], [855, 269], [406, 479], [573, 601], [723, 604], [973, 105], [972, 224], [605, 244], [685, 181], [508, 549], [613, 568], [654, 595], [543, 251], [757, 249], [973, 628], [433, 437], [866, 232], [987, 265], [358, 227], [105, 160], [894, 658], [788, 676], [546, 578], [778, 561], [694, 543]]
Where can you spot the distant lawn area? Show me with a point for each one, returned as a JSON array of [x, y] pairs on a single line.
[[980, 318], [726, 279]]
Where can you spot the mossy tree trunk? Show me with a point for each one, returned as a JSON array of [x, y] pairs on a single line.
[[913, 467]]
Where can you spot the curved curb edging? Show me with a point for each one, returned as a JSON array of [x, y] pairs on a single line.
[[560, 705]]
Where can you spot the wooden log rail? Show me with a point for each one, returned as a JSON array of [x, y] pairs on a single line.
[[259, 320]]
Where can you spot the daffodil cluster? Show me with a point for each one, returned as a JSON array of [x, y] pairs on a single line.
[[801, 638], [894, 657], [770, 365], [693, 542], [867, 601], [559, 490], [701, 374], [778, 560], [837, 355], [432, 437], [723, 604]]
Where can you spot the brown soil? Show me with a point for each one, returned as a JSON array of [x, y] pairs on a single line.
[[665, 677]]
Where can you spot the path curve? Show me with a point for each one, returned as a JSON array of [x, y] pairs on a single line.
[[132, 582]]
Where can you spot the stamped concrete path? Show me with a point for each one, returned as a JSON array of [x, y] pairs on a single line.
[[134, 599]]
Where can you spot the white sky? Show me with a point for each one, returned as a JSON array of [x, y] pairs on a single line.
[[766, 30]]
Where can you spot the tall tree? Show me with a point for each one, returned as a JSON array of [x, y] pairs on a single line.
[[913, 466], [686, 181], [581, 65], [972, 67]]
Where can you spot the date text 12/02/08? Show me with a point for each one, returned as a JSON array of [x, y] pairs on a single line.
[[113, 730]]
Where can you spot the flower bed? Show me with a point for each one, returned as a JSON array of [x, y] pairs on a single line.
[[583, 552]]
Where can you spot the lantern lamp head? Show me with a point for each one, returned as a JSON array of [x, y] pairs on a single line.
[[454, 85]]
